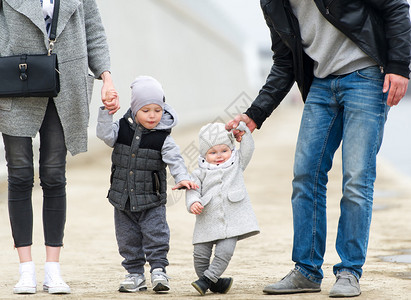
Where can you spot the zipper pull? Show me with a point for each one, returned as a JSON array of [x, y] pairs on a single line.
[[382, 69], [327, 11]]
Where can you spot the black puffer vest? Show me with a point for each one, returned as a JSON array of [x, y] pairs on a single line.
[[138, 174]]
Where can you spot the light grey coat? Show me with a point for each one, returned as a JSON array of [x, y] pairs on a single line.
[[81, 44], [227, 209]]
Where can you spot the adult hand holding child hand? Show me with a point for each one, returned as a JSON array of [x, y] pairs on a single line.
[[233, 124], [109, 95]]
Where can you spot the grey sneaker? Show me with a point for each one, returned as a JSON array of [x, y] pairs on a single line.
[[346, 285], [294, 282], [133, 283], [159, 280]]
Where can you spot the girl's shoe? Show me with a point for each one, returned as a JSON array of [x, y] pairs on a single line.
[[222, 286], [202, 285], [27, 282], [53, 283]]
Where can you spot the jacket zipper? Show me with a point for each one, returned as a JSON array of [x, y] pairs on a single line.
[[327, 8]]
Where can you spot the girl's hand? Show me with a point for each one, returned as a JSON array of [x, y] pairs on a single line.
[[185, 184], [196, 208]]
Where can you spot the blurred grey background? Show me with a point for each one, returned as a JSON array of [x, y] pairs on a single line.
[[211, 57]]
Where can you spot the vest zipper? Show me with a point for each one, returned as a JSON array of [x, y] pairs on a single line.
[[156, 183]]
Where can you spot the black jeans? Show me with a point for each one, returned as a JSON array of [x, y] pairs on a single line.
[[52, 171]]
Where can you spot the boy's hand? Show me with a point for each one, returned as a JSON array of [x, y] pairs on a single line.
[[185, 184], [196, 208]]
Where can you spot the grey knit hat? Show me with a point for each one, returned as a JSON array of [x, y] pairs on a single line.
[[145, 90], [214, 134]]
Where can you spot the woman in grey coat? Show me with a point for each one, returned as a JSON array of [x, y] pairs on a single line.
[[61, 121], [223, 209]]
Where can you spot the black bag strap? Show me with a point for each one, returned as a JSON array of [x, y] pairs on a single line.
[[53, 29]]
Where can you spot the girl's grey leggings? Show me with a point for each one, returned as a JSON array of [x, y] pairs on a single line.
[[223, 252]]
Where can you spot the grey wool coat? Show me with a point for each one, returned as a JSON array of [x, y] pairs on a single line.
[[81, 45], [227, 209]]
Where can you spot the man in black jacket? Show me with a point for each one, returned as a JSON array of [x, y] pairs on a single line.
[[351, 61]]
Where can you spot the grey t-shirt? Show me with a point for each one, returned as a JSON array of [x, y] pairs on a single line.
[[332, 51]]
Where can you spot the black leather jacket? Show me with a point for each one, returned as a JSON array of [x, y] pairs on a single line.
[[380, 28]]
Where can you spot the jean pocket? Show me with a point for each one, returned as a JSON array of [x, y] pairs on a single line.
[[371, 73]]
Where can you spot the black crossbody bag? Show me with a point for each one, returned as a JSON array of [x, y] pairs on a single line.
[[32, 75]]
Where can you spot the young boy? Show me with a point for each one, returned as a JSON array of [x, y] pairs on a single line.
[[221, 204], [143, 148]]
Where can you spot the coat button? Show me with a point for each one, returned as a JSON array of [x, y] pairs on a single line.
[[133, 155], [132, 190], [137, 137], [131, 172]]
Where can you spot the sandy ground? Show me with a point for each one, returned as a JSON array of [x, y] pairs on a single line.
[[91, 263]]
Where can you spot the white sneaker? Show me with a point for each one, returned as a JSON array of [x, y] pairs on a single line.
[[159, 280], [53, 283], [27, 282], [133, 283]]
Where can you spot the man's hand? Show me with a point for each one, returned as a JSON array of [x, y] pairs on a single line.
[[397, 86], [233, 124]]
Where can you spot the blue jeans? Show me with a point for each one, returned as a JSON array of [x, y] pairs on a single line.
[[52, 172], [350, 110]]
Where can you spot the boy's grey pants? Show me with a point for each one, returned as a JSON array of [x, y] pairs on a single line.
[[223, 252], [142, 236]]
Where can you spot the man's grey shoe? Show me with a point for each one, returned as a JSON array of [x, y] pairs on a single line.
[[294, 282], [346, 285], [133, 283]]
